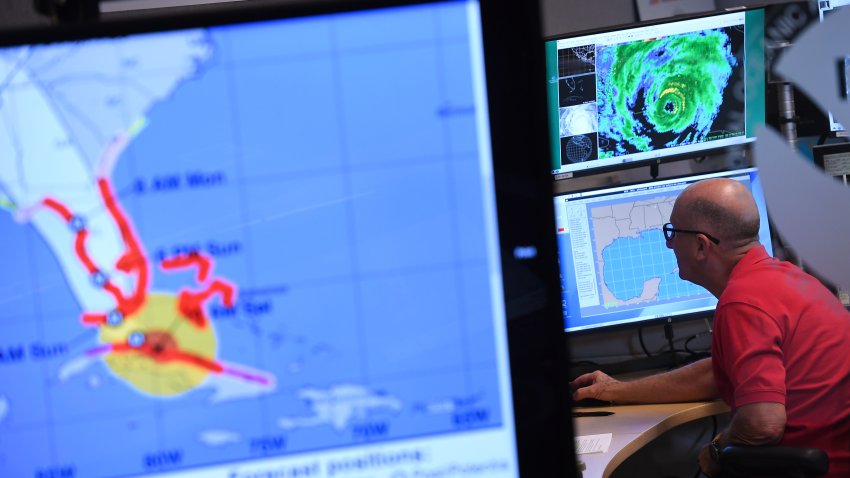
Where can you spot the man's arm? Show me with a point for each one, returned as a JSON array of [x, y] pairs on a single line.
[[755, 424], [691, 383], [761, 423]]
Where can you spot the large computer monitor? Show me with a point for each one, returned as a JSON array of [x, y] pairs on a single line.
[[280, 241], [615, 266], [673, 88]]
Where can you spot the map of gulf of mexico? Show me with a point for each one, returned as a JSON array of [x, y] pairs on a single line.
[[635, 267]]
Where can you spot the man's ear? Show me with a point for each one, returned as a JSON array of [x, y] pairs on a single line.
[[703, 244]]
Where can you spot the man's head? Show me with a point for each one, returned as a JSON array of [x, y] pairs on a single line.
[[722, 224]]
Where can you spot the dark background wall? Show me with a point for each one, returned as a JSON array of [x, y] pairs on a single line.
[[18, 13]]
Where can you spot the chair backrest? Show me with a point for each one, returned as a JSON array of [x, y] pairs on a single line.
[[739, 461]]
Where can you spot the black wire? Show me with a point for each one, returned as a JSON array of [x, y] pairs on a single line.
[[691, 355], [694, 355], [642, 344], [668, 332], [688, 352], [688, 349]]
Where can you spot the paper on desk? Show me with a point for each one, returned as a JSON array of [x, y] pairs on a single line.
[[593, 443]]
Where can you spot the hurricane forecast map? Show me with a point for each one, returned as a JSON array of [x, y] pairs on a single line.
[[210, 245], [667, 92]]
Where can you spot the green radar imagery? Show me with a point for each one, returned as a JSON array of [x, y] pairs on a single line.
[[669, 91]]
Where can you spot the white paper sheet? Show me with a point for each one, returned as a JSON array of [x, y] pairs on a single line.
[[593, 443]]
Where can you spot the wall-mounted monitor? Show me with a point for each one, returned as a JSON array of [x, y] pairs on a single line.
[[664, 90], [615, 266], [265, 242]]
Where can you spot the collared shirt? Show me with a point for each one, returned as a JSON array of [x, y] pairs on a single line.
[[781, 336]]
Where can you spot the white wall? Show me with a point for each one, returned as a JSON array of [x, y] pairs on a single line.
[[564, 16]]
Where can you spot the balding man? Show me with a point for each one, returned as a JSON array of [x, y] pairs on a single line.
[[780, 337]]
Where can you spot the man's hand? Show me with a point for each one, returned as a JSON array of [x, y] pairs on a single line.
[[706, 464], [596, 385]]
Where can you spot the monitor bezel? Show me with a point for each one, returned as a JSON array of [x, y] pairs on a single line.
[[511, 37]]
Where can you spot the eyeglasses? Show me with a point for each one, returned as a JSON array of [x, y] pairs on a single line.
[[670, 232]]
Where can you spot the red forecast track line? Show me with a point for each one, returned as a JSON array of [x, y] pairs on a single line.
[[251, 377], [59, 208], [133, 258], [169, 355], [80, 248], [117, 214], [81, 232], [93, 318], [202, 262], [191, 304]]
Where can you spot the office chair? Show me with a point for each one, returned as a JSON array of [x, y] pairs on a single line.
[[740, 461]]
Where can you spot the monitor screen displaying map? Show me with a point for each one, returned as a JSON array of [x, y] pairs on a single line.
[[255, 249], [616, 268], [657, 91]]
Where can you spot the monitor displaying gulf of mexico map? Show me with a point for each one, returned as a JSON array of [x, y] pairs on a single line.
[[616, 268]]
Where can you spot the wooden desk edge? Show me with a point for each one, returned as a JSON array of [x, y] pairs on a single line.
[[699, 410]]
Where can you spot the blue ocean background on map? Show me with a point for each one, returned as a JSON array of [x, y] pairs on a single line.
[[329, 214], [629, 262]]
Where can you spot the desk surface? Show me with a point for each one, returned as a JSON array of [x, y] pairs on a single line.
[[633, 426]]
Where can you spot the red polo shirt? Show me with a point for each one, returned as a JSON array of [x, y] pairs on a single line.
[[781, 336]]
